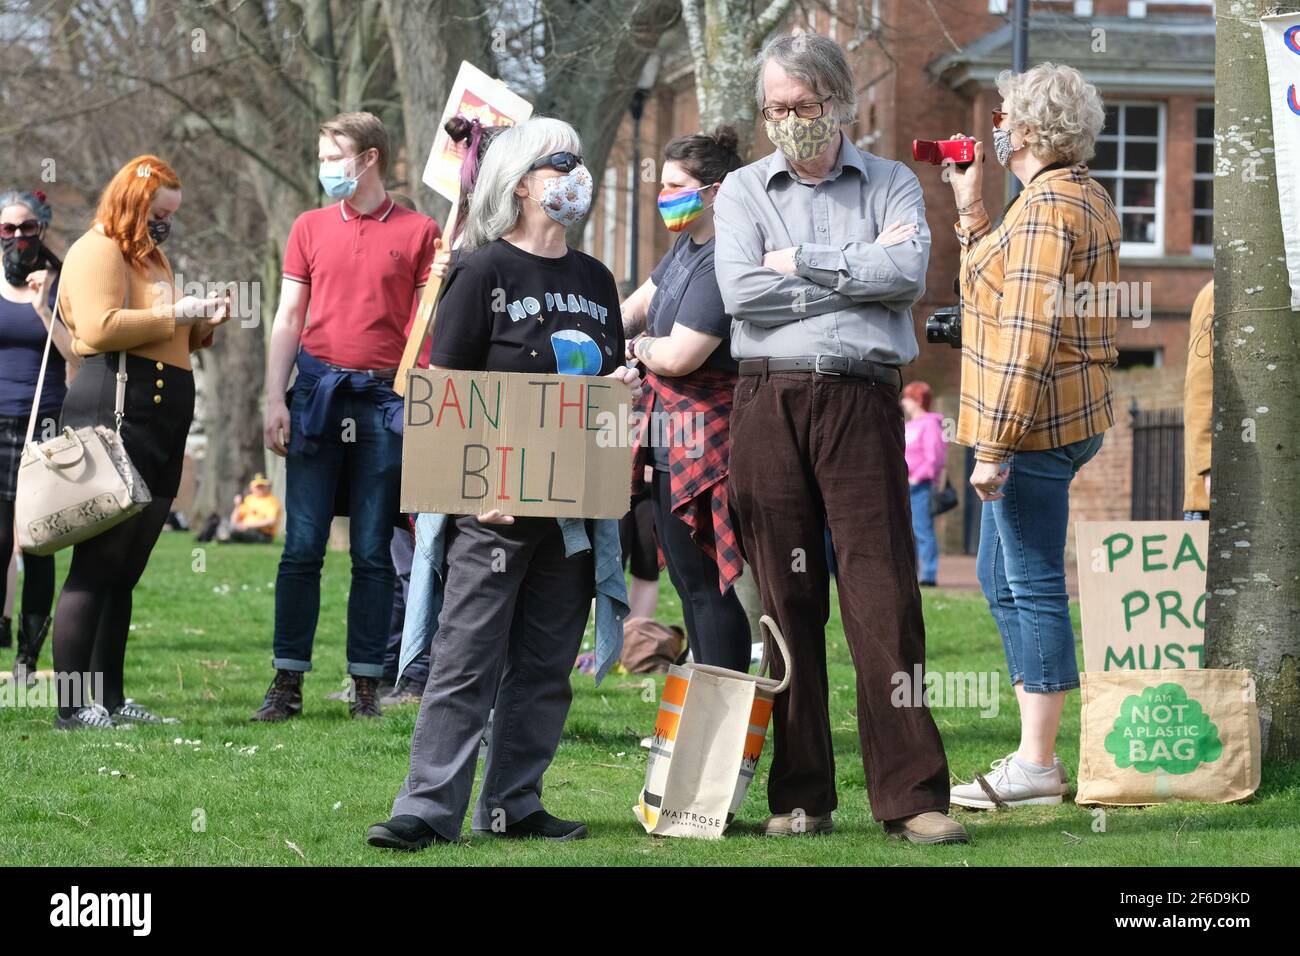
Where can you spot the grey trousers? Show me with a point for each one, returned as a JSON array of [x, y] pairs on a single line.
[[512, 622]]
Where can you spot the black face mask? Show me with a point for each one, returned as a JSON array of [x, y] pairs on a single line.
[[159, 230], [22, 255]]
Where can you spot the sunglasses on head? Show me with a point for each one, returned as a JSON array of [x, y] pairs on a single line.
[[28, 227], [562, 161]]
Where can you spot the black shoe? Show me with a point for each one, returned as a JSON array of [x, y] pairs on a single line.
[[283, 698], [404, 832], [6, 632], [365, 698], [541, 826], [929, 584], [32, 629]]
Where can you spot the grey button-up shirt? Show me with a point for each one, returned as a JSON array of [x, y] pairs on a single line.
[[850, 297]]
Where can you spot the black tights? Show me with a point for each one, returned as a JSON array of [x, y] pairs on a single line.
[[38, 571], [94, 614]]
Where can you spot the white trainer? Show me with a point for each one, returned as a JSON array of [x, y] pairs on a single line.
[[1010, 784]]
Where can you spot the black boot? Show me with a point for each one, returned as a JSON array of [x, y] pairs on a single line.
[[32, 629], [6, 632], [283, 698]]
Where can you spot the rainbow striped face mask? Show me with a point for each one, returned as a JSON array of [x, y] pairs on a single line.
[[680, 207]]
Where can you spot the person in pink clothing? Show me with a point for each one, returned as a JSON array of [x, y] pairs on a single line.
[[926, 453]]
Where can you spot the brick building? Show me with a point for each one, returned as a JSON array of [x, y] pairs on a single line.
[[926, 71]]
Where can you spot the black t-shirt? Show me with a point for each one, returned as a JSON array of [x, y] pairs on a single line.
[[507, 310], [686, 291]]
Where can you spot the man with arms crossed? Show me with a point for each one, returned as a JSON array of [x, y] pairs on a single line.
[[821, 253]]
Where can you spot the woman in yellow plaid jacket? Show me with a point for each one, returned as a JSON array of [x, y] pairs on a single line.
[[1039, 308]]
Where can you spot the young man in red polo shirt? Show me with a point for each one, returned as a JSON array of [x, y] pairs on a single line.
[[353, 275]]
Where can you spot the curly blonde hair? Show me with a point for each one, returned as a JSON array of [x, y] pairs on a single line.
[[1058, 112]]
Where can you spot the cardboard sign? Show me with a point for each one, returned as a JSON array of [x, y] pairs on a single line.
[[528, 445], [1142, 593], [474, 95]]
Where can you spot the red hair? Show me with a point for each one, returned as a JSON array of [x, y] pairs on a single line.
[[124, 206], [920, 393]]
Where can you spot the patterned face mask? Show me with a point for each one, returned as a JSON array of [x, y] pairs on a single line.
[[567, 198], [802, 140], [1002, 147]]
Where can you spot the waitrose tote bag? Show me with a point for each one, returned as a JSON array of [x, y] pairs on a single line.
[[708, 736], [1166, 736]]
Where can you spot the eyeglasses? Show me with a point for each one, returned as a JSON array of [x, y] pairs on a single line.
[[998, 117], [28, 227], [562, 161], [774, 114]]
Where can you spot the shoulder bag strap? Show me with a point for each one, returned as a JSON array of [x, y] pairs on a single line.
[[40, 379], [119, 404]]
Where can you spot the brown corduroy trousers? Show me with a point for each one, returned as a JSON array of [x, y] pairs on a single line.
[[808, 451]]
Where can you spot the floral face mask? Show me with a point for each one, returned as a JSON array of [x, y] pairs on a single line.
[[567, 198]]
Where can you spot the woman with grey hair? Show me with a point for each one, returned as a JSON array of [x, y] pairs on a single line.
[[517, 591], [1036, 393], [27, 298]]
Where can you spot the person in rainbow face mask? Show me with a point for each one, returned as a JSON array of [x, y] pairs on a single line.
[[686, 353]]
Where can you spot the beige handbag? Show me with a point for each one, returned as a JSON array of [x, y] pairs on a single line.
[[79, 483]]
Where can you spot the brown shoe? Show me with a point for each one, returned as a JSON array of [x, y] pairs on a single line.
[[930, 827], [798, 824], [283, 698], [365, 702]]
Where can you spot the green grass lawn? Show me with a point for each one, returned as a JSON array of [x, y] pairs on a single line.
[[217, 790]]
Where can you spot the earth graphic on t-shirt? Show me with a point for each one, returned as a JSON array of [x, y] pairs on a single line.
[[576, 353]]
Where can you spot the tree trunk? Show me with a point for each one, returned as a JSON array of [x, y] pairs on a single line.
[[725, 36], [429, 40], [1254, 562]]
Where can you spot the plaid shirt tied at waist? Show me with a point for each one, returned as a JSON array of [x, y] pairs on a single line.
[[697, 485]]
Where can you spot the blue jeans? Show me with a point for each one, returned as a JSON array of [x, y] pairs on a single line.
[[1021, 565], [372, 464], [927, 545]]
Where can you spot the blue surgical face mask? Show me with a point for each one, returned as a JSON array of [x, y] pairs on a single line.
[[334, 181]]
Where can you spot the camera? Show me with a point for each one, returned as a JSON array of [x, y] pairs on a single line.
[[944, 326], [960, 151]]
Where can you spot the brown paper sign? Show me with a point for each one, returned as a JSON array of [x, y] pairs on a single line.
[[1142, 593], [528, 445]]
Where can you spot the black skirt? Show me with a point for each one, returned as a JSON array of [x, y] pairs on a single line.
[[159, 408]]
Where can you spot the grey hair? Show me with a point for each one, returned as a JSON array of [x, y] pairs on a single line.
[[1061, 112], [22, 197], [818, 63], [494, 208]]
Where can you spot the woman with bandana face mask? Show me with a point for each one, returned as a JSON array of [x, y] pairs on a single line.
[[1036, 395], [517, 299], [30, 273]]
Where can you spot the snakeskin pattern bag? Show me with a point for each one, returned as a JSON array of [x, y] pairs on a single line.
[[79, 483]]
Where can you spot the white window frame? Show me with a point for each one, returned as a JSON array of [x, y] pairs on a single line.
[[1202, 250], [1140, 249]]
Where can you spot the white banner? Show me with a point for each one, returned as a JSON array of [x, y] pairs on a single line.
[[1282, 51]]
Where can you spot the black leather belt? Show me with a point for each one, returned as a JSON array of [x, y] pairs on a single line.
[[826, 365]]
